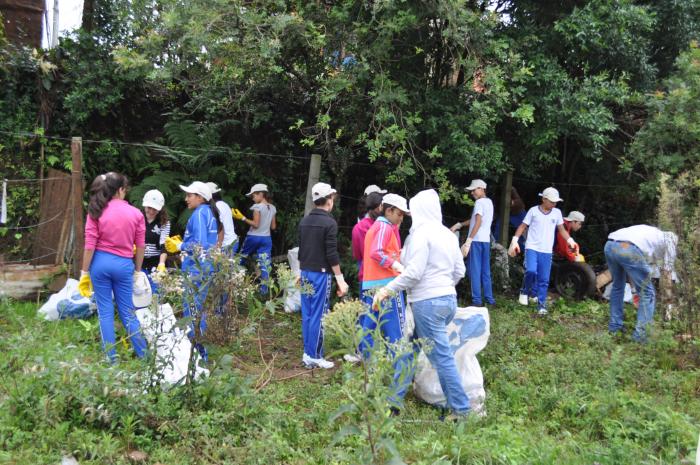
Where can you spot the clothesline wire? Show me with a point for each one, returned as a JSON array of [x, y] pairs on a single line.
[[554, 183], [15, 228], [17, 262], [272, 155], [9, 181], [219, 149]]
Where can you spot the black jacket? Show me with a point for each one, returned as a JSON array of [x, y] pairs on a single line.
[[318, 241]]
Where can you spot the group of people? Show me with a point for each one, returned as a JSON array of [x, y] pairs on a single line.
[[124, 246], [121, 242]]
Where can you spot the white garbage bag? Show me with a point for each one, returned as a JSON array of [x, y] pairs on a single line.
[[170, 342], [67, 303], [628, 292], [292, 294], [468, 332]]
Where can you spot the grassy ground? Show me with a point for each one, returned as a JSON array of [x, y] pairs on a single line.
[[560, 390]]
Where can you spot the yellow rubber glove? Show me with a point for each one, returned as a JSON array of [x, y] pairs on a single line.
[[173, 244], [237, 214], [85, 285], [161, 268]]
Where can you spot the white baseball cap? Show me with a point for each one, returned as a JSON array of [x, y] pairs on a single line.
[[142, 294], [374, 188], [476, 183], [199, 188], [320, 190], [575, 216], [213, 187], [257, 188], [153, 199], [395, 200], [551, 194]]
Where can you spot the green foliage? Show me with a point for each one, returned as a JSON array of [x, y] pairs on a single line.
[[670, 140]]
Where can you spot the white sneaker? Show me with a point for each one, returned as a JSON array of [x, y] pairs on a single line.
[[352, 358], [522, 299], [317, 362], [542, 311]]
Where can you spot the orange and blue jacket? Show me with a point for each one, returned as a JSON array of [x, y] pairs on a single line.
[[382, 249]]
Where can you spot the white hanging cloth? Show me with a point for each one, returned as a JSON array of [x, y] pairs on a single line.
[[3, 203]]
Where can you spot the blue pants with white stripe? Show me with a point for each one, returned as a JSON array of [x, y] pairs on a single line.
[[193, 304], [261, 246], [392, 322], [112, 274], [313, 307], [479, 264], [538, 266]]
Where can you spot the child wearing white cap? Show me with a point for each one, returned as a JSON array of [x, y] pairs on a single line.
[[573, 222], [258, 241], [318, 258], [157, 230], [541, 222], [477, 247], [202, 230]]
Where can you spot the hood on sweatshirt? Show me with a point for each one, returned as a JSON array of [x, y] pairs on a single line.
[[425, 208]]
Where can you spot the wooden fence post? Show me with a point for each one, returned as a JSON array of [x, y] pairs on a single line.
[[314, 175], [505, 208], [76, 148]]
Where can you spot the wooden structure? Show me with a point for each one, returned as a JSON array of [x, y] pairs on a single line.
[[22, 21]]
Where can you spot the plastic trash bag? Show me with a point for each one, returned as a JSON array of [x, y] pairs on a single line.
[[628, 292], [468, 333], [292, 294], [67, 303], [172, 346]]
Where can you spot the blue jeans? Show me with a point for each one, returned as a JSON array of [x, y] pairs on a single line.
[[479, 264], [112, 274], [261, 246], [538, 266], [313, 307], [432, 317], [625, 259]]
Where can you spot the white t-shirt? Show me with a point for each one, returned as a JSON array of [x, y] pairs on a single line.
[[483, 207], [226, 218], [541, 229], [267, 211], [658, 246]]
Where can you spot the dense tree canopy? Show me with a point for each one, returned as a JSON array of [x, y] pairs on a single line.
[[402, 93]]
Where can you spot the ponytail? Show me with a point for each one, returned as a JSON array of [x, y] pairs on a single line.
[[102, 190], [215, 212]]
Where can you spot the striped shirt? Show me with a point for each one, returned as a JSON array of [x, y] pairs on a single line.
[[155, 238]]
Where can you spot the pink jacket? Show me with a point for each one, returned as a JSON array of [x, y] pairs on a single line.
[[359, 232], [117, 230]]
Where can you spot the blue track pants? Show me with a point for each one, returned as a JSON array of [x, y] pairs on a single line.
[[313, 307], [392, 323], [538, 265], [193, 306], [261, 246], [112, 274], [479, 264]]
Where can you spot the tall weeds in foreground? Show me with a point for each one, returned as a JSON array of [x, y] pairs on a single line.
[[366, 388], [679, 211]]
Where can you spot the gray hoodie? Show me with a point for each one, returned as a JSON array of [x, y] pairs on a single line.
[[431, 256]]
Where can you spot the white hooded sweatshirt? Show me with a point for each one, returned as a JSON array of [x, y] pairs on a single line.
[[431, 256]]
